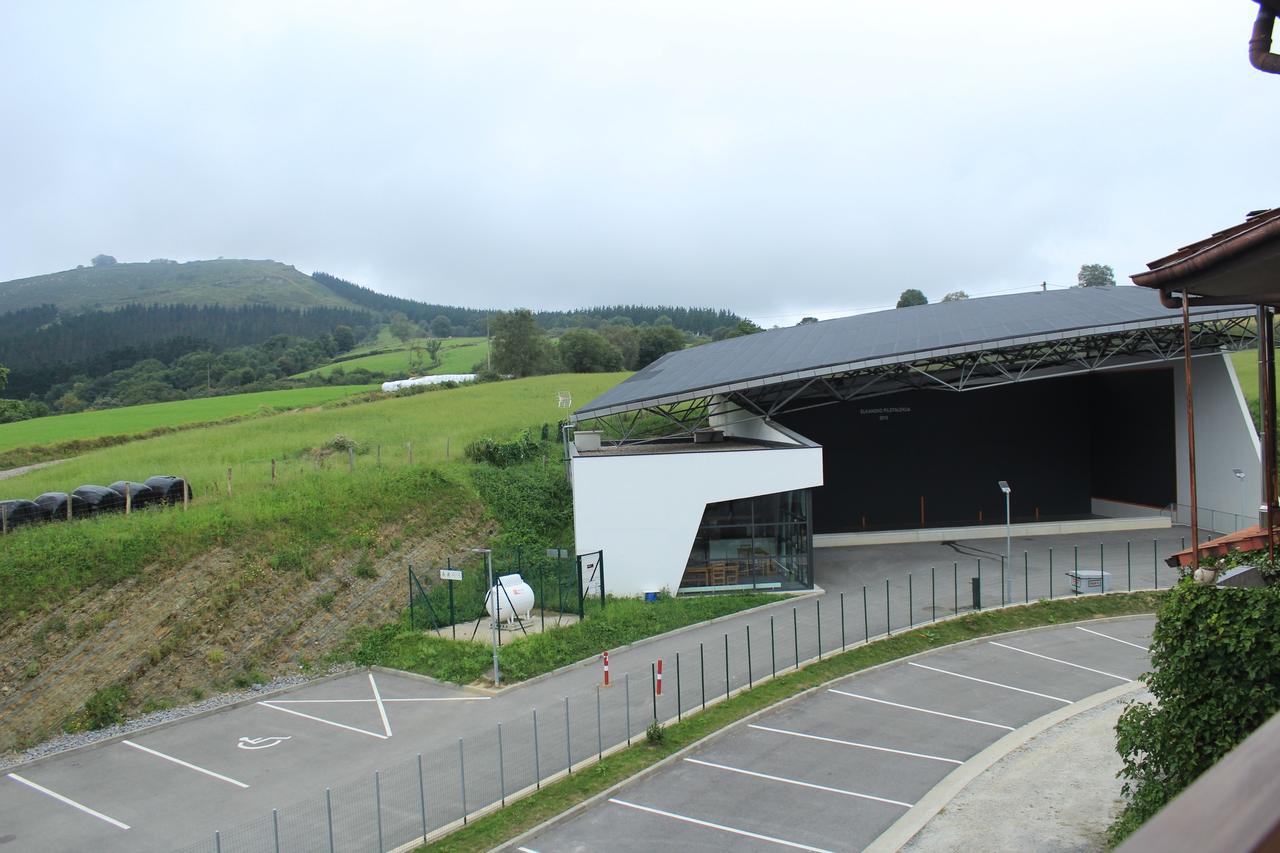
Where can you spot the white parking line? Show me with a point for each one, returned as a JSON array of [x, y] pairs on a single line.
[[921, 710], [186, 764], [854, 743], [321, 720], [709, 825], [1063, 662], [992, 683], [372, 701], [42, 789], [382, 709], [1115, 639], [798, 783]]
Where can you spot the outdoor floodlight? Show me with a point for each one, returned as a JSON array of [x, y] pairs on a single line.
[[1239, 473], [1004, 487]]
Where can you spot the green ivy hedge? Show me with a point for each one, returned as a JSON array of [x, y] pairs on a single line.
[[1215, 658]]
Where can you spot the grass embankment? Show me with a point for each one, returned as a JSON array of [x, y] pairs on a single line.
[[499, 827], [620, 622], [457, 355], [131, 422], [316, 502]]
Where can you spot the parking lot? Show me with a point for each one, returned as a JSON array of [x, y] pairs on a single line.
[[154, 789], [835, 769]]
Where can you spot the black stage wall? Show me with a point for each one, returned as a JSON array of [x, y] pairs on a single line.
[[1059, 442]]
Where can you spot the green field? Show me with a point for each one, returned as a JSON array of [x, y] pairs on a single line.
[[132, 420], [458, 355], [317, 501]]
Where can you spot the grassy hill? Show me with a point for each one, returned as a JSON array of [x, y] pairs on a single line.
[[223, 282], [165, 606], [133, 420]]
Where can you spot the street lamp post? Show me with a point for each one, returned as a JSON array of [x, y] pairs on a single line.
[[493, 633], [1240, 476], [1008, 545]]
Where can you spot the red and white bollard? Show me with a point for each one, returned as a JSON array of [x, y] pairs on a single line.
[[605, 658], [659, 681]]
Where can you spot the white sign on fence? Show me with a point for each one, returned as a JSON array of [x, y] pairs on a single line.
[[451, 574], [590, 574]]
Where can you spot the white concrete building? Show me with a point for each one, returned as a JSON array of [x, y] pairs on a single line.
[[723, 465]]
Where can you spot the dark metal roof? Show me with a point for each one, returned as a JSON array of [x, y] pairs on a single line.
[[900, 335]]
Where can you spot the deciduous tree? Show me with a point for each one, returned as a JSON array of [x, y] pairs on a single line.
[[911, 296], [1096, 275]]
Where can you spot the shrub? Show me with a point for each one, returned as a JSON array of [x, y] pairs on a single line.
[[655, 734], [1215, 658], [502, 454], [104, 708]]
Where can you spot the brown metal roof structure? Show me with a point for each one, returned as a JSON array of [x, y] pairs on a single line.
[[1234, 266]]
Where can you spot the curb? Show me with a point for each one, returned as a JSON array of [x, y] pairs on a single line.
[[265, 696], [596, 799], [927, 807]]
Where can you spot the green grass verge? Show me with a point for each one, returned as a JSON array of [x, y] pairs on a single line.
[[457, 355], [316, 503], [522, 815], [137, 420], [621, 622]]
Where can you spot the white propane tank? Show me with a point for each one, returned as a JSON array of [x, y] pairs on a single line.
[[514, 598]]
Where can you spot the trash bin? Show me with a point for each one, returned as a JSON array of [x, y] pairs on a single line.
[[650, 595], [1089, 580], [976, 584]]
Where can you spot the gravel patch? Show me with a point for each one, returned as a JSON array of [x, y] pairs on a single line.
[[77, 739], [23, 469], [1058, 792]]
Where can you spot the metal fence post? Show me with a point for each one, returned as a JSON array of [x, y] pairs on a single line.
[[795, 632], [217, 841], [502, 776], [462, 778], [679, 692], [750, 683], [599, 729], [955, 587], [726, 666], [702, 674], [328, 812], [933, 592], [568, 744], [888, 621], [1002, 571], [1128, 562], [1102, 566], [275, 828], [843, 645], [866, 626], [422, 798], [377, 805], [911, 605], [979, 583], [537, 759], [1051, 574], [1026, 578], [818, 601], [773, 652], [1155, 564]]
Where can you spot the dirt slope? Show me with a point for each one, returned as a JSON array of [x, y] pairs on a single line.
[[221, 621]]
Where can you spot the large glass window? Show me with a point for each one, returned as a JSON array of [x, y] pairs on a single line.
[[763, 542]]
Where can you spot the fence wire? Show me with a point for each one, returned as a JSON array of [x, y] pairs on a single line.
[[437, 789]]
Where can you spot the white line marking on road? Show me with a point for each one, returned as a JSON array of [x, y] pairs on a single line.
[[42, 789], [854, 743], [992, 683], [382, 709], [371, 701], [787, 781], [1063, 662], [526, 850], [1116, 639], [322, 720], [922, 710], [185, 764], [709, 825]]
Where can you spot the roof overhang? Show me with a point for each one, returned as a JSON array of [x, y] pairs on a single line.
[[1238, 265]]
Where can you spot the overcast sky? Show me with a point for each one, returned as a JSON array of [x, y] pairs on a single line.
[[779, 159]]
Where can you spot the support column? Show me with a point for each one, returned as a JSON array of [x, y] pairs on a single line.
[[1191, 436], [1267, 406]]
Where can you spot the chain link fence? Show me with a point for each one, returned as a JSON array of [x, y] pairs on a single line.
[[434, 792]]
